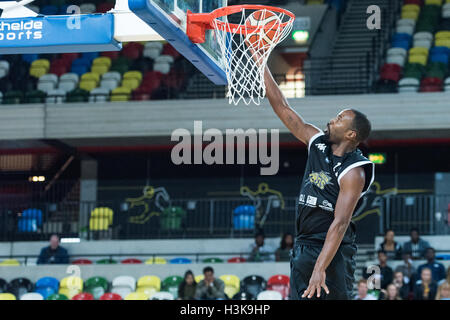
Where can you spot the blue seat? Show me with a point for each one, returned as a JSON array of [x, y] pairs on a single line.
[[443, 256], [81, 62], [49, 10], [46, 292], [401, 44], [30, 57], [244, 217], [90, 56], [180, 261], [440, 50], [79, 70], [47, 286], [436, 57], [402, 36]]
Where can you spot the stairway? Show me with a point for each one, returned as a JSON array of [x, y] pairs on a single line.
[[357, 51], [364, 254]]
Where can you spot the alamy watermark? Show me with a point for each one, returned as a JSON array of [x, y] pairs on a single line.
[[235, 141]]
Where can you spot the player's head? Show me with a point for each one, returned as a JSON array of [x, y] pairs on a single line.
[[349, 125]]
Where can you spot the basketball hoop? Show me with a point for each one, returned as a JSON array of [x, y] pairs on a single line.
[[246, 44]]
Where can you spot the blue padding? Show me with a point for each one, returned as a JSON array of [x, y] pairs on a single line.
[[436, 57], [58, 34], [145, 10]]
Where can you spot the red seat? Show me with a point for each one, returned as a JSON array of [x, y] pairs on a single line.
[[58, 70], [279, 283], [169, 50], [418, 2], [70, 56], [140, 96], [82, 261], [83, 296], [110, 296], [131, 261], [104, 7], [113, 55], [236, 260], [391, 67], [431, 85], [173, 80], [132, 50]]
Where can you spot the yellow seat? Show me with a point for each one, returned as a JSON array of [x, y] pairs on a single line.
[[418, 51], [71, 282], [100, 69], [433, 2], [442, 43], [410, 15], [133, 75], [136, 296], [156, 260], [10, 263], [41, 63], [199, 278], [149, 281], [121, 94], [69, 292], [103, 61], [130, 83], [411, 7], [442, 35], [91, 76], [232, 284], [38, 72], [7, 296], [98, 224], [88, 85], [148, 291], [103, 212], [421, 59]]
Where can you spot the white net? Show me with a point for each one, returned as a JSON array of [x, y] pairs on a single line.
[[245, 50]]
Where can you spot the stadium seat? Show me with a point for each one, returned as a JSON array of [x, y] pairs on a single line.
[[112, 75], [152, 50], [98, 224], [104, 7], [236, 260], [102, 61], [420, 59], [82, 261], [120, 94], [47, 286], [106, 261], [56, 96], [232, 285], [413, 15], [111, 296], [180, 261], [162, 296], [83, 296], [123, 285], [422, 44], [172, 218], [212, 260], [99, 95], [408, 29], [132, 84], [97, 286], [410, 7], [70, 286], [7, 296], [408, 85], [57, 296], [131, 261], [171, 284], [20, 286], [397, 52], [9, 263], [269, 295], [34, 96], [431, 85], [109, 84], [136, 296], [253, 285], [396, 59], [433, 2], [99, 69], [279, 283], [13, 97], [3, 286], [37, 72], [406, 22], [156, 260], [32, 296], [149, 285], [163, 64], [241, 295], [132, 50]]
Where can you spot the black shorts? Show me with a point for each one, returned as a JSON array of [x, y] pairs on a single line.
[[339, 274]]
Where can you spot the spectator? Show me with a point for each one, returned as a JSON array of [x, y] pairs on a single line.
[[186, 290], [437, 269], [443, 292], [416, 246], [259, 251], [210, 288], [392, 248], [286, 245], [403, 288], [391, 293], [386, 273], [408, 270], [362, 291], [54, 253], [426, 288]]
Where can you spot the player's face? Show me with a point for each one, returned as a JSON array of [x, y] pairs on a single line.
[[340, 127]]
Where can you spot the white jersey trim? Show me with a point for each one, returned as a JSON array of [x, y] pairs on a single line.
[[355, 165], [314, 137]]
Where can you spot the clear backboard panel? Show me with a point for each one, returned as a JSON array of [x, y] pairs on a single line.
[[168, 18]]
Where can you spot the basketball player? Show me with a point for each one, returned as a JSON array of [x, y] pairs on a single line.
[[337, 175]]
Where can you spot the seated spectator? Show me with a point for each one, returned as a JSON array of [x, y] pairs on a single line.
[[437, 269], [362, 291], [392, 248], [426, 288], [447, 278], [286, 245], [443, 292], [408, 270], [386, 273], [391, 293], [54, 253], [186, 289], [416, 245], [403, 288], [210, 288], [259, 251]]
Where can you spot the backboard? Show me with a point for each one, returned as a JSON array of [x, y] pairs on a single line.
[[168, 19]]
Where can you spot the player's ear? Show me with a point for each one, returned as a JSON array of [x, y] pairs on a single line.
[[352, 135]]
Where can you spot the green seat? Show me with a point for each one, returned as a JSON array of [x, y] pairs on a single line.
[[78, 95], [57, 296], [97, 286], [121, 68], [212, 260], [35, 96], [172, 217], [171, 284], [106, 261], [13, 97]]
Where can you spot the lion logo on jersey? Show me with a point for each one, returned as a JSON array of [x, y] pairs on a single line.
[[319, 179]]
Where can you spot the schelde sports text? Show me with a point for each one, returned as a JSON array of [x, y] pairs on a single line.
[[21, 30]]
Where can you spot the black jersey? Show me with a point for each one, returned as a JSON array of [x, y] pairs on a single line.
[[320, 190]]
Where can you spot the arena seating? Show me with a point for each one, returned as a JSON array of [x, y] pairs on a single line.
[[418, 60]]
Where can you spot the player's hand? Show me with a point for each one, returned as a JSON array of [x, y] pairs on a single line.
[[316, 283]]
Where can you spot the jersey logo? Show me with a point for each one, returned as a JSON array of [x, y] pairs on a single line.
[[321, 146], [319, 179], [335, 168]]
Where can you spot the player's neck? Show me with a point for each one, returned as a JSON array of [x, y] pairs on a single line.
[[342, 148]]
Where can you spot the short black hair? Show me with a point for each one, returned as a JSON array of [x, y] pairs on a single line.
[[414, 229], [260, 233], [361, 125], [382, 251], [208, 269], [430, 248]]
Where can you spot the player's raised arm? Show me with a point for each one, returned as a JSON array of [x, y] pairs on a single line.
[[291, 119]]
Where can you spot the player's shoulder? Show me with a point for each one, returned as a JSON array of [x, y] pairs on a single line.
[[317, 140]]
